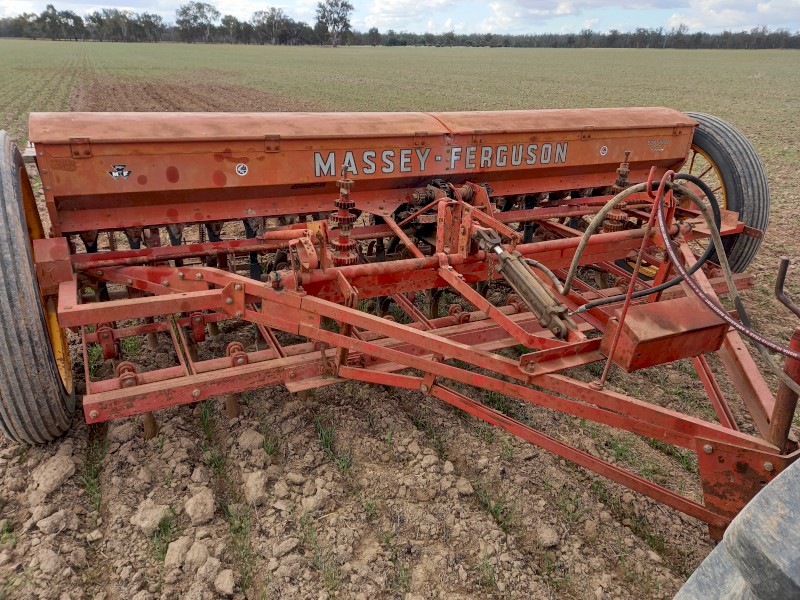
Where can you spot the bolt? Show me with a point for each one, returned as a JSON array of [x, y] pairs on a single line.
[[708, 449], [196, 392], [129, 282], [238, 287], [94, 414], [423, 388], [99, 273], [67, 307], [240, 361], [292, 375], [239, 314], [181, 275], [768, 466], [165, 283], [130, 382], [104, 336], [198, 320], [229, 301], [198, 276]]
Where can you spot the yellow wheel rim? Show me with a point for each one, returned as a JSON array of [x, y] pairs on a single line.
[[701, 166], [58, 338]]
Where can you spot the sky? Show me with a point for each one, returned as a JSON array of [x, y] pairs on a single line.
[[497, 16]]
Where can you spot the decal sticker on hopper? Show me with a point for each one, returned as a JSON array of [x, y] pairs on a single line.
[[119, 171]]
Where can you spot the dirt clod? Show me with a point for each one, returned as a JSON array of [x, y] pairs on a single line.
[[52, 474], [223, 584], [176, 553], [464, 487], [285, 547], [149, 515], [200, 507], [250, 440], [255, 488]]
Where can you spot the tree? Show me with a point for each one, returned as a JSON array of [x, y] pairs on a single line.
[[334, 16], [269, 23], [152, 26], [72, 25], [374, 37], [232, 29], [195, 20], [50, 22]]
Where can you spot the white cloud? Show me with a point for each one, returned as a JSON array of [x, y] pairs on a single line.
[[408, 15], [517, 16], [12, 8], [494, 16], [715, 15]]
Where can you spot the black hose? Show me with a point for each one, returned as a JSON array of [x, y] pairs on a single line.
[[745, 326], [712, 200]]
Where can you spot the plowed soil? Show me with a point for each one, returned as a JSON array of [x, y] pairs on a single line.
[[116, 94]]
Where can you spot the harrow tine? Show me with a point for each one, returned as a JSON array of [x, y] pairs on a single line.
[[232, 407], [149, 426]]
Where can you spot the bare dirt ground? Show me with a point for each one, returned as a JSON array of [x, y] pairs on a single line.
[[354, 491], [99, 94]]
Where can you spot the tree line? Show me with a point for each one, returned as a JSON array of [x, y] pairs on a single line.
[[194, 22], [200, 22]]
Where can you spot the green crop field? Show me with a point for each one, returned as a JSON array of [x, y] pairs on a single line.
[[756, 90]]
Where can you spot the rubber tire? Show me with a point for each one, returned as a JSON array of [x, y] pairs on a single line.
[[34, 405], [757, 558], [744, 179]]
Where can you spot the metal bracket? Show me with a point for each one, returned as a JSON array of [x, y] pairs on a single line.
[[732, 475], [107, 341], [233, 298], [752, 232], [80, 147], [272, 142], [198, 321]]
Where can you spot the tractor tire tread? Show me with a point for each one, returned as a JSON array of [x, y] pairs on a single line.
[[745, 181], [34, 406]]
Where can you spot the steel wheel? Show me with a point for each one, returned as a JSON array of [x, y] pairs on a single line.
[[36, 396]]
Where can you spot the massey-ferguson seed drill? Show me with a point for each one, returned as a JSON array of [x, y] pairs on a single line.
[[376, 247]]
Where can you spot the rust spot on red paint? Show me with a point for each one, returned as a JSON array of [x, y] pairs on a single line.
[[173, 175], [219, 178], [63, 164], [227, 155], [141, 179]]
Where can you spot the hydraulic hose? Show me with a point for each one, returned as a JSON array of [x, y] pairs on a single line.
[[712, 200], [744, 327], [593, 224]]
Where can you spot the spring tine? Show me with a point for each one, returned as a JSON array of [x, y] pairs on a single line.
[[149, 426], [780, 281], [232, 407]]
